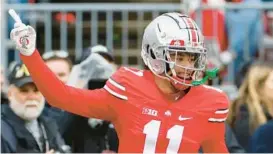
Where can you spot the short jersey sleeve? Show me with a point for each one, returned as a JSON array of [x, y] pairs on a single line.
[[215, 140], [116, 85], [218, 104], [220, 112]]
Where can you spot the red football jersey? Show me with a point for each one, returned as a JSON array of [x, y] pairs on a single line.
[[146, 122]]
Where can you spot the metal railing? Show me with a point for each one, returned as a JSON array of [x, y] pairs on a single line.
[[118, 21], [93, 9]]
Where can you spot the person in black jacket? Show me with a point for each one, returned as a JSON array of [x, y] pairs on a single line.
[[81, 133], [23, 128], [231, 141], [91, 135], [253, 107]]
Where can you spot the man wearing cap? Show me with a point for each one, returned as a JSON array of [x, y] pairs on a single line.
[[23, 128]]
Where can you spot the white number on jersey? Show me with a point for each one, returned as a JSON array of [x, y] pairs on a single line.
[[174, 134]]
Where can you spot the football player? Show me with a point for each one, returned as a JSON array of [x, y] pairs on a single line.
[[163, 109]]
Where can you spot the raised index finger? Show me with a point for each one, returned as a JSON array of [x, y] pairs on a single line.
[[15, 16]]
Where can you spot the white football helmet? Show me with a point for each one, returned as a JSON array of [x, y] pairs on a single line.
[[173, 33]]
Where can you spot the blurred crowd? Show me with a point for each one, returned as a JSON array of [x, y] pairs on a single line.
[[237, 43], [49, 128]]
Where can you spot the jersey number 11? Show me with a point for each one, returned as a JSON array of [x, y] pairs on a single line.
[[174, 134]]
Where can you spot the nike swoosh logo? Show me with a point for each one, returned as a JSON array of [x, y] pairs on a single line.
[[180, 118]]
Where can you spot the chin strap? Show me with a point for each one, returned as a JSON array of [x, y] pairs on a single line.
[[209, 74]]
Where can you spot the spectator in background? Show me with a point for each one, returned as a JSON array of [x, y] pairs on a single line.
[[212, 22], [23, 128], [240, 76], [91, 135], [213, 26], [2, 77], [268, 37], [261, 141], [82, 134], [4, 99], [245, 31], [232, 142], [59, 62], [103, 51], [254, 106]]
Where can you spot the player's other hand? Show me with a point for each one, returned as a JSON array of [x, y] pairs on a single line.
[[24, 37]]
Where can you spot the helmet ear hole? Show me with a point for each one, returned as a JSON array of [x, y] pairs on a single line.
[[151, 52], [156, 65]]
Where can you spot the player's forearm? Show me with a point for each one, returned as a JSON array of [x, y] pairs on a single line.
[[49, 85], [78, 101], [45, 79]]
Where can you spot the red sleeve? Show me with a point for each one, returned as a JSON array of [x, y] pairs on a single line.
[[115, 86], [215, 141], [89, 103]]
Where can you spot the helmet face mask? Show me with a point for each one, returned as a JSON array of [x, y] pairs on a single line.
[[179, 65], [172, 53]]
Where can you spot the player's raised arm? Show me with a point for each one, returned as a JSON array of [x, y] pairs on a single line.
[[87, 103]]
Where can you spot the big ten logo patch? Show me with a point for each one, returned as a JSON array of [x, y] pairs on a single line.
[[149, 111]]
